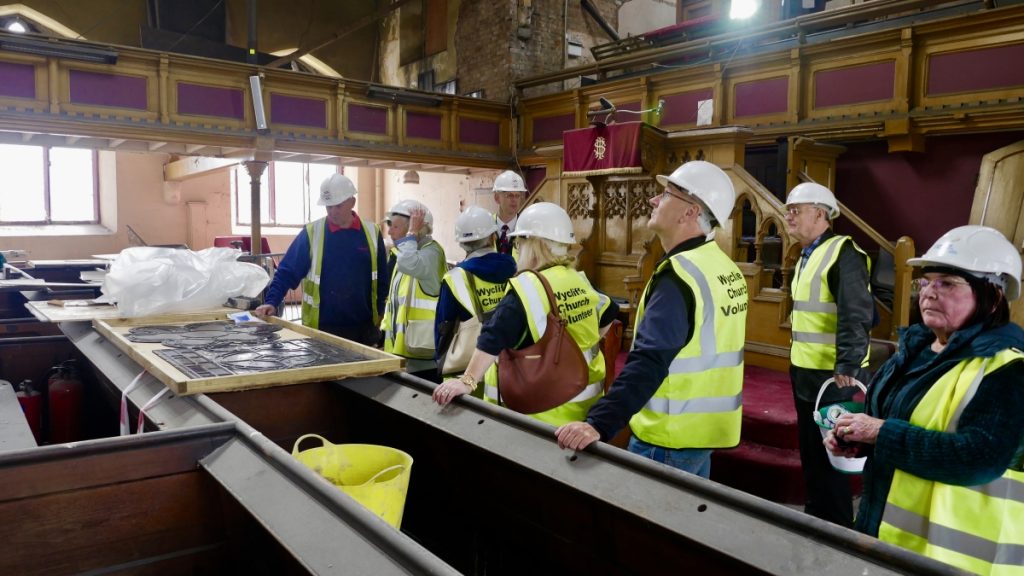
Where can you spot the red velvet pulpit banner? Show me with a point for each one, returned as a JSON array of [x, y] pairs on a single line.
[[610, 149]]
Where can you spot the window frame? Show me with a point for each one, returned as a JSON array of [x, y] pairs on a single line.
[[241, 175], [48, 220]]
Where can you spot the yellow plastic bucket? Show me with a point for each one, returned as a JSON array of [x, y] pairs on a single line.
[[376, 476]]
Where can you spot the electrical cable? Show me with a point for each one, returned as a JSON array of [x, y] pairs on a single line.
[[103, 18], [189, 31]]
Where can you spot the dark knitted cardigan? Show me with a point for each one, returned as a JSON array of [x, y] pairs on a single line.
[[990, 430]]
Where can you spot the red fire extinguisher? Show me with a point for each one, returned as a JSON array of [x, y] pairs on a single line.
[[32, 405], [65, 397]]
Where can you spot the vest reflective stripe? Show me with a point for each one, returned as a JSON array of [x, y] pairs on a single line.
[[975, 528], [815, 314], [699, 404], [311, 283], [706, 362], [671, 407], [812, 338], [591, 391], [408, 303], [960, 542], [459, 285], [583, 327], [824, 307]]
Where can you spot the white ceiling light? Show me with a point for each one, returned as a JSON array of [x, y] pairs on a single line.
[[16, 26], [741, 9]]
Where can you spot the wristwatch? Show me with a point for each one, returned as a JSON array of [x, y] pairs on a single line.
[[468, 380]]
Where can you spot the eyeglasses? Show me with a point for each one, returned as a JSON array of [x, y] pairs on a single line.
[[668, 192], [795, 210], [941, 284]]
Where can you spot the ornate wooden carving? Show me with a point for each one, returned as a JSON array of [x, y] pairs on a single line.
[[580, 201], [640, 192], [615, 198]]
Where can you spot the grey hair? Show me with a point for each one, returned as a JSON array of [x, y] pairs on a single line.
[[471, 246], [706, 220], [425, 230]]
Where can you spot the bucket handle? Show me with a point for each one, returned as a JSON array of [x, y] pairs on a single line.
[[824, 385], [323, 442], [381, 473]]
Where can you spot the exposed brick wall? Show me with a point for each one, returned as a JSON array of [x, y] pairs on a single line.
[[485, 28], [498, 41]]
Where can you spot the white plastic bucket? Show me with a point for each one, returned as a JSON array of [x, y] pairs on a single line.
[[826, 421]]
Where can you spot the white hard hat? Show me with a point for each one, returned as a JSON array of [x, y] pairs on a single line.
[[335, 189], [405, 208], [813, 193], [474, 223], [707, 182], [509, 181], [545, 220], [980, 250]]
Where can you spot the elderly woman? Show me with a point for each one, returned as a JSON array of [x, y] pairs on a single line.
[[475, 286], [945, 416], [545, 235], [417, 264]]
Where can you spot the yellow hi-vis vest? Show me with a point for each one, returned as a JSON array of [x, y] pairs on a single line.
[[975, 528], [487, 294], [581, 307], [311, 283], [815, 315], [700, 402], [410, 309]]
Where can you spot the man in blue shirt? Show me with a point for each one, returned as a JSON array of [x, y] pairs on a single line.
[[338, 259]]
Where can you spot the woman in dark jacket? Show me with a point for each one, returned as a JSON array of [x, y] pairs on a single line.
[[944, 417]]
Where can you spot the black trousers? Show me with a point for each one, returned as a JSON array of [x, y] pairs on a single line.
[[827, 490], [367, 334]]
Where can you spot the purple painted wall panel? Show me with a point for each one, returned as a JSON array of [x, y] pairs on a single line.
[[17, 80], [372, 119], [298, 111], [534, 176], [918, 195], [210, 101], [426, 126], [102, 89], [479, 132], [972, 70], [856, 84], [768, 96], [682, 108], [551, 127]]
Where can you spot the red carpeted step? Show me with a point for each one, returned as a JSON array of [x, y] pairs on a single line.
[[769, 417], [766, 471]]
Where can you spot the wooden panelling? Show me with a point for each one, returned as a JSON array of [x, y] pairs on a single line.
[[760, 97], [944, 76], [102, 526], [193, 103], [853, 87]]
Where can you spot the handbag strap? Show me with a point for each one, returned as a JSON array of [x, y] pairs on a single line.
[[547, 288]]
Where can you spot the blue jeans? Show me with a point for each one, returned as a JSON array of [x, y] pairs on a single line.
[[693, 460]]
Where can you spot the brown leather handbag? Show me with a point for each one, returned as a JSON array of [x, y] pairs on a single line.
[[546, 374]]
